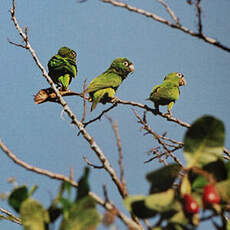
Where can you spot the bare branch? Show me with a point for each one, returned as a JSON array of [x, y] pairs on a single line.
[[155, 17], [170, 12], [93, 145], [48, 95], [33, 168], [157, 137], [91, 164], [17, 44], [84, 102], [200, 27], [10, 216], [120, 159], [100, 115], [154, 112], [106, 205]]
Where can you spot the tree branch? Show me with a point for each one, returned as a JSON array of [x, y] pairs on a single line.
[[177, 26], [93, 145], [72, 116], [10, 216], [119, 148], [107, 205], [33, 168], [157, 137], [170, 12]]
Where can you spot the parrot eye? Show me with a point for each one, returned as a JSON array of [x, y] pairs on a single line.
[[180, 75], [126, 63]]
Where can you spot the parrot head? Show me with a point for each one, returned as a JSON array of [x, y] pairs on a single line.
[[176, 77], [123, 66], [66, 52]]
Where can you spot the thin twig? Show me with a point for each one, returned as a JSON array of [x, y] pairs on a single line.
[[33, 168], [100, 115], [91, 164], [157, 137], [120, 159], [10, 216], [84, 102], [155, 17], [170, 12], [105, 192], [198, 8]]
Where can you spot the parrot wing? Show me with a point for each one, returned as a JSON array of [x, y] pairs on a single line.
[[166, 91], [105, 80], [62, 65]]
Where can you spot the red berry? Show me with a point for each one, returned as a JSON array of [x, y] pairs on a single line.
[[210, 195], [190, 204]]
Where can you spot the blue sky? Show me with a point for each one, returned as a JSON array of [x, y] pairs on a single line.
[[99, 33]]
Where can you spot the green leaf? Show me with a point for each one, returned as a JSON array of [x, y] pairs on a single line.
[[163, 178], [34, 216], [160, 202], [199, 183], [223, 189], [83, 185], [54, 213], [204, 141], [136, 205], [32, 190], [217, 169], [17, 196], [82, 216], [185, 186], [227, 167], [67, 187], [228, 225]]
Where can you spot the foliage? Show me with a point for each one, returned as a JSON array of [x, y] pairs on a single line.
[[177, 195], [77, 214]]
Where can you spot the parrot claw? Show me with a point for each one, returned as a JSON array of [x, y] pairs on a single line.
[[169, 114], [115, 99], [64, 90]]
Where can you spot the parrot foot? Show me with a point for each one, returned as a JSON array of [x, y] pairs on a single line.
[[115, 99], [64, 89], [156, 111], [169, 114]]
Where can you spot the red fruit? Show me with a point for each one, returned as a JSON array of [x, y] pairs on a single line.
[[210, 195], [190, 204]]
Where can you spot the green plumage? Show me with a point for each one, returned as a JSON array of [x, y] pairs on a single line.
[[103, 88], [62, 67], [167, 92]]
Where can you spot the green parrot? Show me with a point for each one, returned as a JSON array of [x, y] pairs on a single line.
[[103, 88], [167, 92], [62, 67]]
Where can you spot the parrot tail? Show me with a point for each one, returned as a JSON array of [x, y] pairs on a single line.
[[96, 99]]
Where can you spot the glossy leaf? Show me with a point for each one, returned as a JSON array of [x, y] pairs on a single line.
[[199, 183], [204, 141], [185, 187], [179, 217], [17, 196], [82, 216], [223, 189], [160, 202], [163, 178], [83, 187], [34, 216], [136, 205], [227, 167]]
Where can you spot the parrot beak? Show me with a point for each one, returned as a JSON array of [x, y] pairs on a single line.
[[182, 81], [131, 68]]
